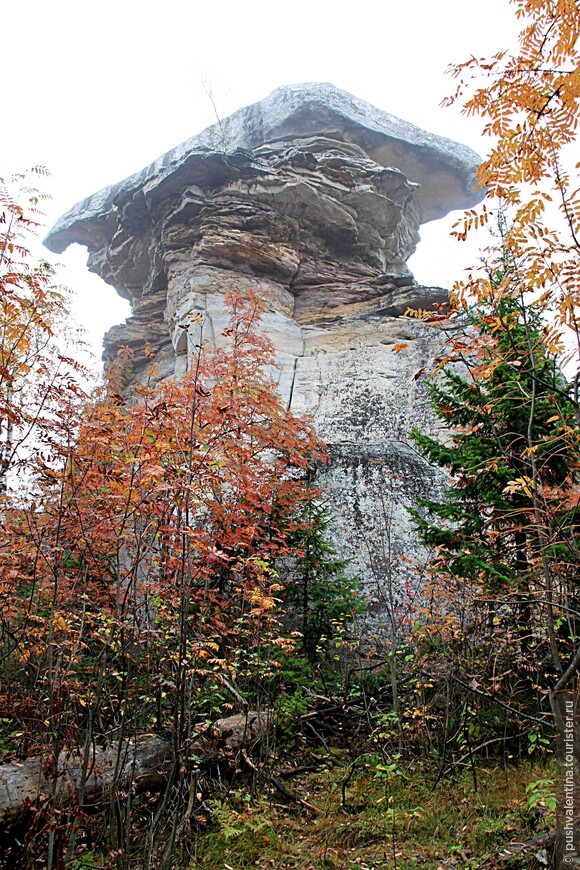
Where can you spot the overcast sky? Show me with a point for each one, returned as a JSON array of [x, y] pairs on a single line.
[[95, 91]]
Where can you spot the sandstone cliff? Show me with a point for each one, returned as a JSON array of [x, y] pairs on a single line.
[[314, 198]]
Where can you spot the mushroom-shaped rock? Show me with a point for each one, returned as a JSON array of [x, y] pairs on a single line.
[[314, 199], [312, 193], [444, 169]]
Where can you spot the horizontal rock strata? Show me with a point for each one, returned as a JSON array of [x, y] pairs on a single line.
[[314, 199]]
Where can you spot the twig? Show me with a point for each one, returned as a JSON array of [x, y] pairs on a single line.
[[234, 691], [336, 708], [271, 780], [490, 697], [317, 735], [296, 771], [477, 748]]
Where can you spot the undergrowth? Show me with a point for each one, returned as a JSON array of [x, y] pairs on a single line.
[[371, 813]]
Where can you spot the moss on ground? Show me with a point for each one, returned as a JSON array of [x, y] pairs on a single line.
[[373, 813]]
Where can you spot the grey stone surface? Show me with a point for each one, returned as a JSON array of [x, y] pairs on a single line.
[[443, 168], [313, 199]]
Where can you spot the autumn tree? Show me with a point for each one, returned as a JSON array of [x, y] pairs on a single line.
[[515, 451], [530, 103], [150, 542], [148, 593], [37, 377]]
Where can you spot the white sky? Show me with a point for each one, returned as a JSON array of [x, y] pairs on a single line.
[[95, 91]]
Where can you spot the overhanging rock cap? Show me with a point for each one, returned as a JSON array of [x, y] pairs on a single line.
[[444, 169]]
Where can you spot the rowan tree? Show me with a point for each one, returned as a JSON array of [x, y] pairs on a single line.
[[148, 593], [511, 530], [529, 101], [37, 376]]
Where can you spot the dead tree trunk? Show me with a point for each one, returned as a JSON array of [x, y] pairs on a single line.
[[26, 785], [138, 764]]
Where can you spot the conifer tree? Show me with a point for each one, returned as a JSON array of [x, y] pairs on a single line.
[[321, 593], [506, 539], [508, 426]]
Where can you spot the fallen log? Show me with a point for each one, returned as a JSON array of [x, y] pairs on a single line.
[[140, 764], [28, 784]]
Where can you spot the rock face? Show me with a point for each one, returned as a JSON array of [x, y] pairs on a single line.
[[313, 198]]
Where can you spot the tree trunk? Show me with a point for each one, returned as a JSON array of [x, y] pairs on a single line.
[[138, 764], [26, 785]]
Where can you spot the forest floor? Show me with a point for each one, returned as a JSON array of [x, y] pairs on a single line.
[[302, 804], [371, 813]]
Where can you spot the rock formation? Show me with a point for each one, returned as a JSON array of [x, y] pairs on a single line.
[[314, 198]]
